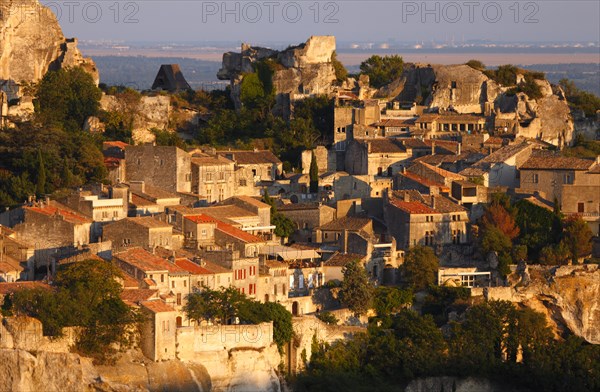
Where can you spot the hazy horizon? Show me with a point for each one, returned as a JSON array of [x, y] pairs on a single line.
[[350, 21]]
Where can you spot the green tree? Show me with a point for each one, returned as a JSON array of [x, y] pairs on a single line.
[[255, 312], [284, 226], [476, 64], [67, 97], [40, 186], [538, 227], [314, 174], [356, 292], [579, 99], [390, 300], [341, 73], [420, 266], [86, 295], [382, 70], [577, 238], [219, 306]]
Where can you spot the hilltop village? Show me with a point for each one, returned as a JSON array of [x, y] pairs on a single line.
[[436, 159]]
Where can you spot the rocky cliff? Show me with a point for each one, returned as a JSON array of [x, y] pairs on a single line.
[[302, 70], [32, 42], [462, 89], [569, 296]]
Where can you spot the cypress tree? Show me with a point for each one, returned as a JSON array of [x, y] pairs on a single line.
[[314, 174]]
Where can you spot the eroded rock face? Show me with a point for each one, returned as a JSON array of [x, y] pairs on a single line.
[[32, 42], [304, 69], [569, 296], [462, 89]]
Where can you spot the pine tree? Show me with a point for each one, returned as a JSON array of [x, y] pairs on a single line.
[[314, 174]]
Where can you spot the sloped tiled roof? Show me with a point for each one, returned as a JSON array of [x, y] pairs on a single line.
[[557, 162], [147, 262], [201, 218], [346, 223], [341, 259], [157, 306], [136, 296], [412, 207], [384, 145], [56, 209], [9, 288], [148, 222], [237, 233], [243, 157]]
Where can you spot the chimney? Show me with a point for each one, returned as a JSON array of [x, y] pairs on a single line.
[[459, 148], [47, 201], [406, 196], [432, 147], [433, 202]]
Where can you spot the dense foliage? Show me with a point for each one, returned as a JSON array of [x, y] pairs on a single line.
[[382, 70], [66, 98], [356, 292], [227, 305], [284, 226], [579, 99], [52, 152], [86, 295], [420, 267], [476, 64], [506, 75], [486, 343], [533, 233], [390, 300], [341, 73]]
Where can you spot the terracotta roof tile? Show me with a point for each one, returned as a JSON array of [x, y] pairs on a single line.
[[346, 223], [237, 233], [201, 218], [147, 262], [53, 209], [341, 259], [157, 306], [250, 157], [557, 162], [9, 288], [138, 295], [413, 207]]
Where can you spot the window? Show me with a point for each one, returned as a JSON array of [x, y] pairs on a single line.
[[283, 288], [429, 238], [203, 233], [221, 175], [567, 179], [243, 182], [208, 176], [185, 283], [535, 178], [178, 298], [104, 214], [115, 214], [254, 172], [275, 289], [173, 284], [580, 208], [162, 278]]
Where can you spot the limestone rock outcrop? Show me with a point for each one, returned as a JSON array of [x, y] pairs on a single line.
[[32, 43], [302, 70], [569, 296], [465, 90]]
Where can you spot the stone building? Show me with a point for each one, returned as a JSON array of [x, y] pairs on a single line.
[[500, 168], [163, 167], [149, 200], [213, 177], [346, 118], [114, 160], [333, 267], [273, 281], [260, 165], [100, 210], [52, 229], [332, 231], [170, 78], [307, 217], [381, 157], [158, 331], [144, 232], [19, 251], [433, 220], [572, 182], [448, 126]]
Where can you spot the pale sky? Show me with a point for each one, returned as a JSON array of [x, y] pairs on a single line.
[[350, 21]]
